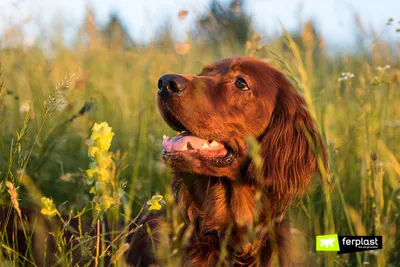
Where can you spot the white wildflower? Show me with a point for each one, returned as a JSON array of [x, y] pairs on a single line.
[[382, 69], [346, 76]]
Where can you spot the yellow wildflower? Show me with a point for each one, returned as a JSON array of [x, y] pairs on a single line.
[[48, 207], [100, 171], [154, 202], [104, 141], [106, 202], [103, 160], [92, 151], [91, 172], [104, 175], [92, 175], [102, 135], [101, 128]]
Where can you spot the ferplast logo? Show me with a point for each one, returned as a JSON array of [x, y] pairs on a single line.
[[327, 243], [347, 244]]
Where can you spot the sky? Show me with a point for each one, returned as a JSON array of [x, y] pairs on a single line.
[[334, 18]]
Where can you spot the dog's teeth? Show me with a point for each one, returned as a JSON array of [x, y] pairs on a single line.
[[164, 136], [205, 146], [214, 143]]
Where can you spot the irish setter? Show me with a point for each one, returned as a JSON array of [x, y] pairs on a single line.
[[224, 193]]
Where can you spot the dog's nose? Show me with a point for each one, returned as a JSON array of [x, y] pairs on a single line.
[[171, 84]]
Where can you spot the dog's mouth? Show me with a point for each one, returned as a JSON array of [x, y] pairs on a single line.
[[188, 144], [186, 141]]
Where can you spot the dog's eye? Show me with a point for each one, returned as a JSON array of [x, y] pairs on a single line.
[[241, 84]]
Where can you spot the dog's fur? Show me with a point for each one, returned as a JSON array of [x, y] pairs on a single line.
[[239, 194]]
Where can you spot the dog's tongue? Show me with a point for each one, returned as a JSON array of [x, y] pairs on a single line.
[[187, 141]]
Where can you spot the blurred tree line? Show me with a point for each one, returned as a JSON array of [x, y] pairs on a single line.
[[222, 22], [225, 23]]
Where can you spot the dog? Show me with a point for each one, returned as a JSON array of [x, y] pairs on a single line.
[[227, 189]]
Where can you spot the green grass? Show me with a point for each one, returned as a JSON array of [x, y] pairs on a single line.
[[44, 152]]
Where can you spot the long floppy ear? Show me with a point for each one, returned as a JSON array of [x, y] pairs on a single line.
[[290, 148]]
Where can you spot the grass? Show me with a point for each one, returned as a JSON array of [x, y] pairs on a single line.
[[45, 126]]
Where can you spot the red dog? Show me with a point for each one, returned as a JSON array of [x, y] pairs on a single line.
[[216, 184]]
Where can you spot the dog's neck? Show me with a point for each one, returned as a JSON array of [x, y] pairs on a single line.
[[216, 202]]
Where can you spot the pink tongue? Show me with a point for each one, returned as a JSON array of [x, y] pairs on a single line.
[[186, 141]]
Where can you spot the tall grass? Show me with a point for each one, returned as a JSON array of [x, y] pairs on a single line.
[[44, 133]]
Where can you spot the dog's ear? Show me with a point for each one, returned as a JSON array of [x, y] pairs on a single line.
[[290, 148]]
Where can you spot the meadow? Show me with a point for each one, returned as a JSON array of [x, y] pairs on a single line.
[[50, 98]]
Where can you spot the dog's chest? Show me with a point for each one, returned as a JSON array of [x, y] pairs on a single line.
[[215, 204]]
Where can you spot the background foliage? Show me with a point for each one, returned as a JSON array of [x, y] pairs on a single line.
[[105, 76]]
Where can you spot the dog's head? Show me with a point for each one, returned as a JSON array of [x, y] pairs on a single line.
[[228, 101]]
